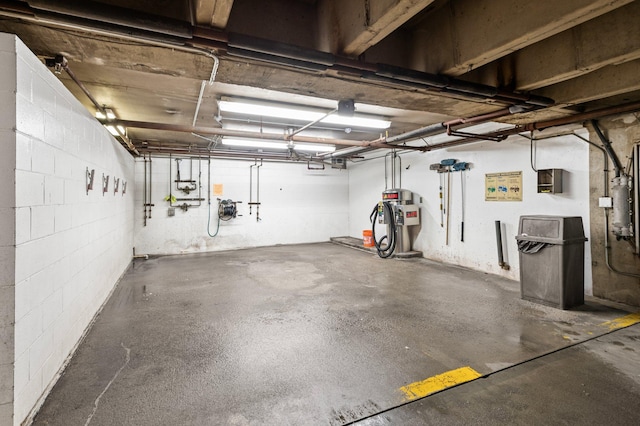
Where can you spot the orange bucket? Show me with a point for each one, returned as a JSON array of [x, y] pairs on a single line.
[[367, 238]]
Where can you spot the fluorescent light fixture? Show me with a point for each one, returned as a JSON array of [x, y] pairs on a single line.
[[309, 147], [121, 129], [100, 115], [112, 130], [248, 143], [301, 115], [110, 114]]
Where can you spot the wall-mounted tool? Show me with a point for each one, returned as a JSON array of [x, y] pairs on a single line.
[[116, 185], [449, 166], [255, 202], [124, 187], [227, 209]]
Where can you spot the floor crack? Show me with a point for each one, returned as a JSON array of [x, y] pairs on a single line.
[[97, 401]]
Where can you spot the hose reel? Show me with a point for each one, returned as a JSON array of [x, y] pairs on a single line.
[[227, 209]]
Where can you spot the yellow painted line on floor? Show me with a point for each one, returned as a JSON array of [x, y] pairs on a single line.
[[439, 382], [623, 322]]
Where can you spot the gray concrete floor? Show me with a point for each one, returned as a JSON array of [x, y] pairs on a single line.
[[324, 334]]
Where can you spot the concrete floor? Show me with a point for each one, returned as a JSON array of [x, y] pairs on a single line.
[[324, 334]]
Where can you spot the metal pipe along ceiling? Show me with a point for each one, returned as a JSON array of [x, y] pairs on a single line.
[[99, 18]]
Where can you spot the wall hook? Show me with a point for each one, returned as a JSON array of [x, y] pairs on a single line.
[[89, 179]]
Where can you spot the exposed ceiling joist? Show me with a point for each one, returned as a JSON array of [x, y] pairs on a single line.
[[605, 82], [363, 23], [467, 34], [214, 13], [612, 38]]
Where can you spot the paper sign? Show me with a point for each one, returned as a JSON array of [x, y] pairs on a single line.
[[218, 189], [503, 186]]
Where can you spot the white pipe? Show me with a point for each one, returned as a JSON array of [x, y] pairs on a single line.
[[212, 78]]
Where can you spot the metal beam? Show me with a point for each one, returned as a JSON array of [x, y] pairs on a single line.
[[213, 13], [612, 38], [466, 34], [363, 23]]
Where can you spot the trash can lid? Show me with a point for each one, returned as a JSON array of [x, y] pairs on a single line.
[[552, 229]]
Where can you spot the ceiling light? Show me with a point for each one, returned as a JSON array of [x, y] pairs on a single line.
[[301, 115], [248, 143], [309, 147], [112, 130], [101, 115], [110, 114]]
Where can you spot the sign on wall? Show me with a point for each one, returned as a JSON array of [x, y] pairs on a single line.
[[503, 186]]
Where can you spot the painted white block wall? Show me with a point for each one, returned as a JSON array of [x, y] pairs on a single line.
[[479, 251], [69, 247], [298, 206], [7, 225]]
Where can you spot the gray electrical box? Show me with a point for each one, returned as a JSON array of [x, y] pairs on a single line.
[[552, 260], [550, 181]]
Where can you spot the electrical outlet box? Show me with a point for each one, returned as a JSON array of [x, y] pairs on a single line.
[[605, 202]]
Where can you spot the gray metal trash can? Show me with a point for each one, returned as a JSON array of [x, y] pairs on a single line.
[[552, 260]]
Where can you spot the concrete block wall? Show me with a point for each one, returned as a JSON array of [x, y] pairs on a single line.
[[69, 247], [298, 206], [479, 249], [7, 226]]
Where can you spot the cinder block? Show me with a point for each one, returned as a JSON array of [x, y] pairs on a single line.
[[74, 190], [51, 308], [8, 70], [53, 190], [27, 398], [43, 158], [43, 94], [7, 110], [42, 221], [23, 152], [8, 42], [64, 163], [22, 225], [53, 131], [6, 383], [29, 189], [29, 118], [7, 266], [6, 344], [6, 414], [7, 159], [27, 331], [41, 350], [24, 79], [24, 300], [21, 372], [7, 224], [7, 306], [63, 217]]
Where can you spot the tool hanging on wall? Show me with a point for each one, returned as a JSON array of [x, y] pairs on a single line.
[[449, 166], [148, 175], [461, 167], [257, 201]]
